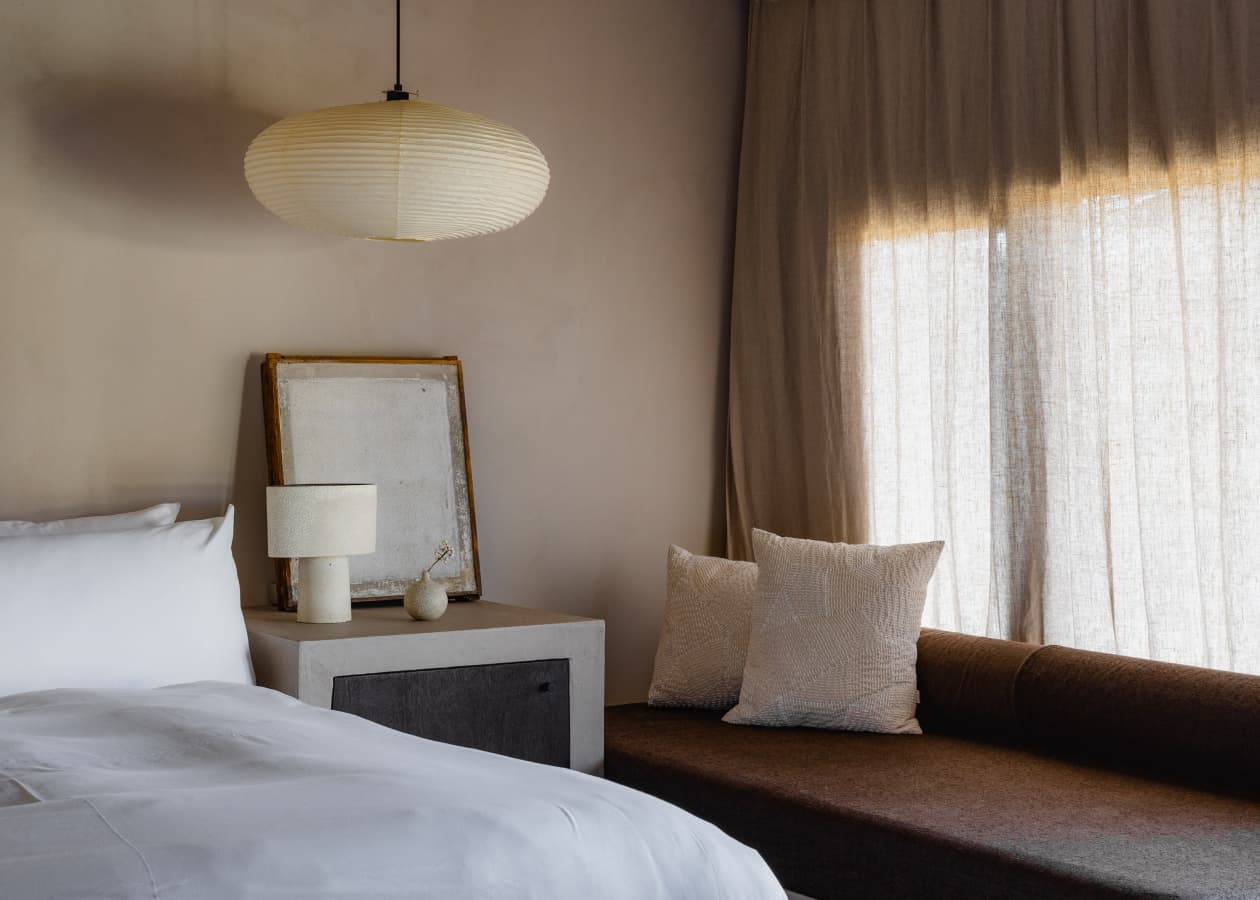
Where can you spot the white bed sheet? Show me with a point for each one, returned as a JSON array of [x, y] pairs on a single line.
[[223, 790]]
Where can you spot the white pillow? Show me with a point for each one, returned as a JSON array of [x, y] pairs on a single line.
[[154, 516], [834, 632], [122, 609]]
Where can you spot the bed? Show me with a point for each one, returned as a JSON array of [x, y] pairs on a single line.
[[217, 790], [220, 788]]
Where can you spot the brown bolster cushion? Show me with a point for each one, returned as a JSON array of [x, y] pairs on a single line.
[[967, 684], [1199, 724], [1192, 723]]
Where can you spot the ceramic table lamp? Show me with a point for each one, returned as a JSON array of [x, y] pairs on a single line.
[[320, 525]]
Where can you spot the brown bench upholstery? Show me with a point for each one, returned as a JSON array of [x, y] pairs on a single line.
[[1043, 772]]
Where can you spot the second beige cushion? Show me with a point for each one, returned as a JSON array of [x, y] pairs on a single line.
[[833, 635]]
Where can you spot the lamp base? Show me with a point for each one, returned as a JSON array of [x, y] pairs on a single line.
[[323, 589]]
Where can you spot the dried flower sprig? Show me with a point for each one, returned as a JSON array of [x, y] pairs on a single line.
[[444, 550]]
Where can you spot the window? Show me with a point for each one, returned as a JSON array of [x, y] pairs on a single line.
[[1071, 399]]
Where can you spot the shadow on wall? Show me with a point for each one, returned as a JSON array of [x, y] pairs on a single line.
[[152, 164], [245, 489], [249, 492]]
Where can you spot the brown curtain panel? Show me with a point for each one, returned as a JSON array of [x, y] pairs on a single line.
[[998, 282]]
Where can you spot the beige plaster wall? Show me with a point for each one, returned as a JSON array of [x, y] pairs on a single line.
[[140, 281]]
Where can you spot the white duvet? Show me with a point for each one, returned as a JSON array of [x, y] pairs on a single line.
[[218, 790]]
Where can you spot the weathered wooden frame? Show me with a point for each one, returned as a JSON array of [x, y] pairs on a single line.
[[468, 582]]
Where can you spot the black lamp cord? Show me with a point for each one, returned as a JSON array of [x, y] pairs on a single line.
[[398, 93], [398, 45]]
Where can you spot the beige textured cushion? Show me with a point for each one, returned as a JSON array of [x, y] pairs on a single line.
[[833, 635], [700, 660]]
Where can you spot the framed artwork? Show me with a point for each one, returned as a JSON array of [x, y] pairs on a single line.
[[400, 424]]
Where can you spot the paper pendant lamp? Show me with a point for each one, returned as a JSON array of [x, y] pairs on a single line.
[[396, 170]]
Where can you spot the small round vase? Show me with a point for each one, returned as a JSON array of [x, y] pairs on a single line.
[[425, 599]]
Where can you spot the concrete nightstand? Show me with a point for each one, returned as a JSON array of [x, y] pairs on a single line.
[[512, 680]]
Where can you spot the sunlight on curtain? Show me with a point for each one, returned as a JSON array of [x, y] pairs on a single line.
[[1083, 382], [926, 403]]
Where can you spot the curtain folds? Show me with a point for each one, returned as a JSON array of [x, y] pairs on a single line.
[[997, 282]]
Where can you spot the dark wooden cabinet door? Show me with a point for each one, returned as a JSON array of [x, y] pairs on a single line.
[[517, 709]]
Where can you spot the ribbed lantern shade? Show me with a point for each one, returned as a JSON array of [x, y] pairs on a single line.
[[396, 170]]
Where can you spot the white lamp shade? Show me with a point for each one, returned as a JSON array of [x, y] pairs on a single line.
[[305, 520], [396, 170]]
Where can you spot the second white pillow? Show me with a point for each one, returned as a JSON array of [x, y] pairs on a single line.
[[153, 517]]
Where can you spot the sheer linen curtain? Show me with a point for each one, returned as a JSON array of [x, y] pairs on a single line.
[[998, 282]]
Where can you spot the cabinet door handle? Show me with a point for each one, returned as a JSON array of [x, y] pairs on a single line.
[[544, 687]]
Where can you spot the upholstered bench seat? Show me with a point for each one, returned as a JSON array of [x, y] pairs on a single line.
[[1006, 811]]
